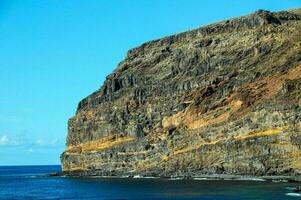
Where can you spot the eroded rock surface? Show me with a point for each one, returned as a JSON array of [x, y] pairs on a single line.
[[221, 99]]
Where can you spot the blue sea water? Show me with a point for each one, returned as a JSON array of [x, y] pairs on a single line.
[[31, 182]]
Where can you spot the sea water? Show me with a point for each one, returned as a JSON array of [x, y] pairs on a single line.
[[32, 182]]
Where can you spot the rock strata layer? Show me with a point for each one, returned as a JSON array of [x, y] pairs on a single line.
[[220, 99]]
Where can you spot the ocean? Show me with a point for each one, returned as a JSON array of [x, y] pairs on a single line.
[[32, 182]]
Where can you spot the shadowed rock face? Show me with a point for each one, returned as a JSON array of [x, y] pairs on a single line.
[[221, 99]]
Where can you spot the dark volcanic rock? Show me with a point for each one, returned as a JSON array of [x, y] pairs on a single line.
[[221, 99]]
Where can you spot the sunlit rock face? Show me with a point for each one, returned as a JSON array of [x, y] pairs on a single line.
[[220, 99]]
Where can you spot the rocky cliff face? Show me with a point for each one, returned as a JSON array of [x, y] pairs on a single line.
[[221, 99]]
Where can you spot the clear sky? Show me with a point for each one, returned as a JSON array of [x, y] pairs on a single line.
[[54, 53]]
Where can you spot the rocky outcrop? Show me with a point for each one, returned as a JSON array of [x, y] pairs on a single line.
[[220, 99]]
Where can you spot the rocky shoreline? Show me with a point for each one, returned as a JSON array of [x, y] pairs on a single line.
[[227, 177]]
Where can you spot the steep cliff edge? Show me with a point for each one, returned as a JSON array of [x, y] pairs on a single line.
[[221, 99]]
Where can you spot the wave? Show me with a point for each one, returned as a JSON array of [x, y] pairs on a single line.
[[290, 188], [137, 176], [280, 181], [250, 179], [175, 178], [23, 175], [230, 178], [293, 194], [200, 179]]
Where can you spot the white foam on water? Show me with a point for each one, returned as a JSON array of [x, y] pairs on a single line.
[[200, 179], [280, 181], [176, 178], [250, 179], [292, 194]]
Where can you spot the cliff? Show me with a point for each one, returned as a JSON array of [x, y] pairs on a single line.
[[220, 99]]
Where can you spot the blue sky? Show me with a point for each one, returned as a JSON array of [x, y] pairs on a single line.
[[54, 53]]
